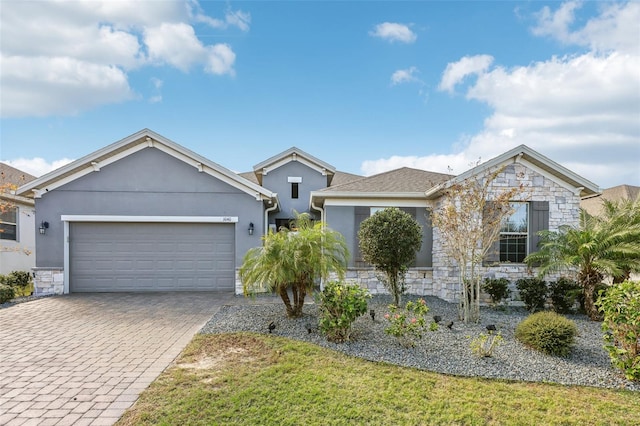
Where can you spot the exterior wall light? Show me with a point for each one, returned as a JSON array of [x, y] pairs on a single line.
[[43, 227], [251, 228]]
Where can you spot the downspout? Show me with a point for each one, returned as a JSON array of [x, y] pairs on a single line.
[[266, 216], [320, 209]]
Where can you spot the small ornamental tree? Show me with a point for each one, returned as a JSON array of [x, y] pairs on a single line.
[[294, 261], [468, 220], [389, 240]]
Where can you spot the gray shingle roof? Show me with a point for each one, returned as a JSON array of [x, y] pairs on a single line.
[[404, 179], [14, 176]]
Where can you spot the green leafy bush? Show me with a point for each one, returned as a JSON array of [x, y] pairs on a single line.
[[533, 292], [340, 305], [547, 332], [408, 324], [621, 308], [563, 295], [6, 293], [496, 288], [20, 281]]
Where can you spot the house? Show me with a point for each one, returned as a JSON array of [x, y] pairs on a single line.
[[593, 204], [17, 222], [146, 214]]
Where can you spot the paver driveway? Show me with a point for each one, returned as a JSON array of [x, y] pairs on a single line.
[[83, 359]]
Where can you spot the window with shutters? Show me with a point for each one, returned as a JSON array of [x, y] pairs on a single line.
[[514, 233]]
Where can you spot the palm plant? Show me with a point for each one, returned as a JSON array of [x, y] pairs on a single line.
[[598, 248], [294, 261]]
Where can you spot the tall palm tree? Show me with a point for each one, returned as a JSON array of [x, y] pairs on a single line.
[[598, 248], [294, 261]]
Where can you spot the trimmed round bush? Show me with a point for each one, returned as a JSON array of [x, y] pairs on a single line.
[[496, 288], [548, 333], [563, 294], [533, 292]]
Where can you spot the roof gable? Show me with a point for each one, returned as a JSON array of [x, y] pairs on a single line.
[[534, 160], [143, 139], [293, 154]]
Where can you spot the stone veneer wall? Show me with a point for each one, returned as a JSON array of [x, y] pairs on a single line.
[[419, 281], [563, 210], [442, 279], [48, 281]]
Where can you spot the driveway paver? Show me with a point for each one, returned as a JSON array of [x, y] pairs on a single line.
[[83, 359]]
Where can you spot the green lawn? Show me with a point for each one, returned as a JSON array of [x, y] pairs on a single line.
[[251, 379]]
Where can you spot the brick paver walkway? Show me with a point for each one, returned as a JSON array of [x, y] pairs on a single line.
[[83, 359]]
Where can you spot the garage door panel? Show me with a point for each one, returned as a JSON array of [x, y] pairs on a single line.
[[151, 257]]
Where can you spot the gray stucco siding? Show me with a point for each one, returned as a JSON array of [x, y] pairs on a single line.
[[343, 220], [276, 181], [147, 183]]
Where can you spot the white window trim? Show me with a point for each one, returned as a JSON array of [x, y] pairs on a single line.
[[525, 234], [14, 224]]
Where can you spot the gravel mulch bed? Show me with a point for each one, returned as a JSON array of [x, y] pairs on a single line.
[[445, 350]]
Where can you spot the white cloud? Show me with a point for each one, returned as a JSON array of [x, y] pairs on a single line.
[[63, 58], [39, 86], [392, 31], [580, 110], [232, 18], [456, 72], [405, 76], [616, 28], [37, 166]]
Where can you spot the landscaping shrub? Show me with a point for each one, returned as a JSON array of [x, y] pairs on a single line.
[[563, 294], [621, 308], [407, 325], [547, 332], [496, 288], [20, 281], [340, 304], [533, 292], [484, 344], [6, 293]]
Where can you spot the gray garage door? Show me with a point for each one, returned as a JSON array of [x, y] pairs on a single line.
[[151, 257]]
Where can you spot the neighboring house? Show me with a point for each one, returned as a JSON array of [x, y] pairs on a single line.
[[593, 205], [146, 214], [17, 222]]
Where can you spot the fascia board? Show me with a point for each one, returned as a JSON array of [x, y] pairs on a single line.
[[288, 156], [378, 202], [141, 140], [524, 155]]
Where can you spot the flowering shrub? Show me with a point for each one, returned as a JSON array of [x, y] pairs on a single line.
[[340, 305], [408, 324]]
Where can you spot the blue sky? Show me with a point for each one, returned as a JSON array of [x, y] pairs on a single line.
[[364, 86]]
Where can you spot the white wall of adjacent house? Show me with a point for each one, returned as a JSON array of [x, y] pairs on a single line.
[[20, 255]]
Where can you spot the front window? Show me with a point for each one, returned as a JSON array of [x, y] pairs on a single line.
[[8, 223], [294, 190], [514, 233]]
